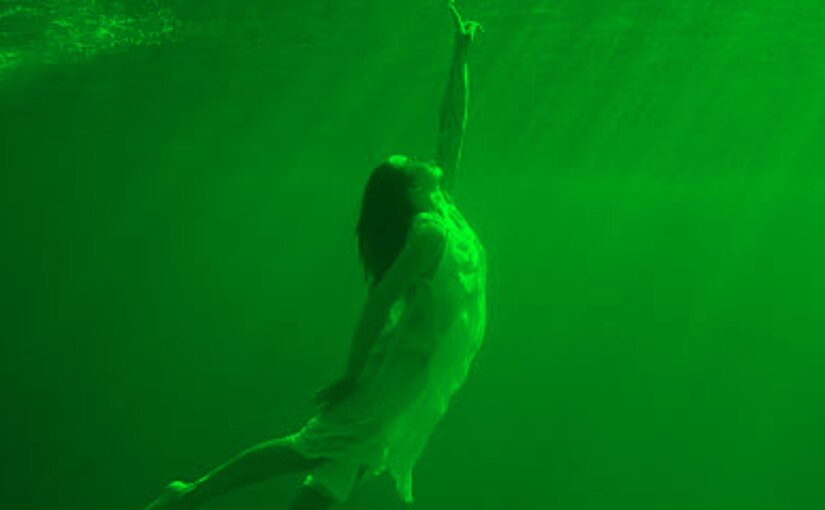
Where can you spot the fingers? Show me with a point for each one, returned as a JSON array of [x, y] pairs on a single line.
[[473, 25], [452, 7], [325, 395], [467, 28]]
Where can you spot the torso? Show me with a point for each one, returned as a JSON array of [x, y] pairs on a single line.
[[456, 283]]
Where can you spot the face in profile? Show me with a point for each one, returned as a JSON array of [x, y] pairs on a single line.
[[426, 177]]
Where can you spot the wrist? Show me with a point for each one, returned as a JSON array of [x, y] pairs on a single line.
[[462, 48]]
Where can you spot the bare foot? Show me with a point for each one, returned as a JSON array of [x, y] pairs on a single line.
[[173, 497]]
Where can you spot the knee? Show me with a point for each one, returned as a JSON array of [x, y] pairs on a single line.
[[301, 459]]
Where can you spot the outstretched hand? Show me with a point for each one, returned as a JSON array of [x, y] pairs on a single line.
[[466, 29]]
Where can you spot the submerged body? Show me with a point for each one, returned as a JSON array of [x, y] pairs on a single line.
[[418, 362], [417, 335]]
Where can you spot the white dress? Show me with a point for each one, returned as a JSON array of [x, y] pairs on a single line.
[[421, 358]]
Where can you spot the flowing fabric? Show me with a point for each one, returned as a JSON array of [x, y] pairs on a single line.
[[416, 365]]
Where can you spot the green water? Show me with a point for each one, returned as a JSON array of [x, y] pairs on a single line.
[[180, 182]]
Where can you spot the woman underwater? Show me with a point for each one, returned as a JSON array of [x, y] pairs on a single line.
[[418, 332]]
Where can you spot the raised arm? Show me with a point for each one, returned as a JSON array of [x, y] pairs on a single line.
[[454, 106]]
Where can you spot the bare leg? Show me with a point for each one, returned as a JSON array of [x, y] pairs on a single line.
[[253, 465], [310, 499]]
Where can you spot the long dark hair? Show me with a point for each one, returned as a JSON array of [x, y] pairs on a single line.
[[387, 210]]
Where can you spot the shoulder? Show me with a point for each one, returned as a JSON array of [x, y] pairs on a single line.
[[426, 240], [425, 244]]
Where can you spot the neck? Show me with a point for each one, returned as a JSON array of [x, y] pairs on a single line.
[[440, 199]]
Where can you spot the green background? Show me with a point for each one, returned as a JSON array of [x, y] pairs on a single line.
[[180, 182]]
